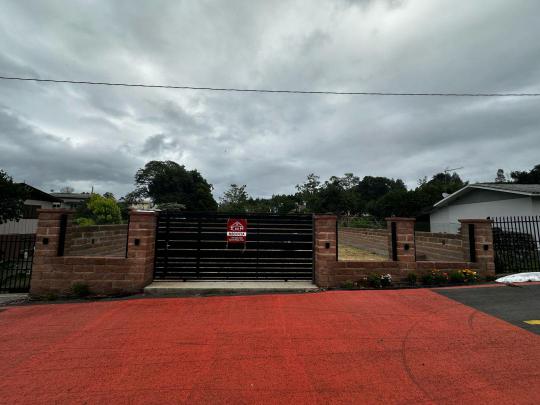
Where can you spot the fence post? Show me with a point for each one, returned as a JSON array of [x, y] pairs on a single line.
[[325, 248], [401, 244], [141, 242], [50, 223], [47, 244], [477, 237]]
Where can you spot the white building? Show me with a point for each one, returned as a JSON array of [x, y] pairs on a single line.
[[484, 200]]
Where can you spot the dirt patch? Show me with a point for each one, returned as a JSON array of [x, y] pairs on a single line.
[[351, 253]]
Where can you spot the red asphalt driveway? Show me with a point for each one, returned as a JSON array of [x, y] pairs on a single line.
[[411, 346]]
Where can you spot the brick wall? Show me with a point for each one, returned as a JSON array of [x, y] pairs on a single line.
[[52, 274], [98, 240], [371, 240], [329, 272], [485, 254], [439, 247]]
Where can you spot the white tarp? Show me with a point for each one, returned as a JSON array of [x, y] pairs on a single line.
[[520, 278]]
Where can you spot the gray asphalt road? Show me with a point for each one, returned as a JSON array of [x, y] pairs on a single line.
[[513, 304]]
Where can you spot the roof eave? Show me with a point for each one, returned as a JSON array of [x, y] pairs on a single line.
[[502, 190]]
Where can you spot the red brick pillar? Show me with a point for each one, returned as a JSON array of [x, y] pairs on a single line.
[[481, 249], [405, 245], [142, 242], [325, 248], [47, 241]]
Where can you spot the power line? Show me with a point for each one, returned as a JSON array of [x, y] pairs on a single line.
[[231, 89]]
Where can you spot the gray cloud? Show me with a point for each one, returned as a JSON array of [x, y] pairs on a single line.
[[52, 135]]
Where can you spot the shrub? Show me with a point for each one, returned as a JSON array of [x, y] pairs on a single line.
[[84, 221], [411, 278], [104, 210], [99, 210], [80, 290], [427, 278], [374, 281], [440, 277], [348, 285], [434, 277], [457, 277], [386, 280], [470, 276]]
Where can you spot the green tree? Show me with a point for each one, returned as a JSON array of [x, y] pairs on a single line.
[[103, 210], [277, 204], [284, 204], [169, 182], [372, 188], [524, 177], [235, 199], [12, 196], [308, 192], [413, 203], [441, 183]]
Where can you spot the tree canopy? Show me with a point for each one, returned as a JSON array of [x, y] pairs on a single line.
[[524, 177], [168, 182], [12, 196], [235, 199], [99, 210]]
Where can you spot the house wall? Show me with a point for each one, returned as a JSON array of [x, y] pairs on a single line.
[[482, 204], [536, 206], [42, 204], [24, 225]]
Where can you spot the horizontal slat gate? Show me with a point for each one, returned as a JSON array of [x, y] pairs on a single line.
[[193, 246]]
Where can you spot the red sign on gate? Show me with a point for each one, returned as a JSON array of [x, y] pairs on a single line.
[[236, 230]]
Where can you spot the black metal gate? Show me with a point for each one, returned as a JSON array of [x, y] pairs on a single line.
[[516, 242], [193, 246], [16, 254]]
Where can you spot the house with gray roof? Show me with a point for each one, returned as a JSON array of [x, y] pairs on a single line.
[[72, 200], [483, 200]]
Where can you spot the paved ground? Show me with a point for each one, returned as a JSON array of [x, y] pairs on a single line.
[[513, 304], [408, 346], [9, 299]]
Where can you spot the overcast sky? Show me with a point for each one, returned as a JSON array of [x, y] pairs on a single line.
[[53, 135]]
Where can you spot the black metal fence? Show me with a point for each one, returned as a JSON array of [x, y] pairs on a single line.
[[16, 254], [516, 242]]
